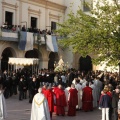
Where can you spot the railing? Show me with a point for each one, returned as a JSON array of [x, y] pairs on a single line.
[[9, 35]]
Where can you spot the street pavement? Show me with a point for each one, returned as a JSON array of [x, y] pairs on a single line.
[[20, 110]]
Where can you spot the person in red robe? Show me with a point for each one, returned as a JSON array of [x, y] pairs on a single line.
[[87, 98], [50, 98], [54, 89], [60, 101], [44, 89], [72, 101]]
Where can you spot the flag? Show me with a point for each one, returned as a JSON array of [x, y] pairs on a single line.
[[51, 43], [25, 41]]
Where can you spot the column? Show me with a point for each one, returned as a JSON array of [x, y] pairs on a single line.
[[44, 63], [3, 15], [16, 12]]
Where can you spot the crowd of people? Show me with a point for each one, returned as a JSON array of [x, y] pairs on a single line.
[[65, 92], [16, 28]]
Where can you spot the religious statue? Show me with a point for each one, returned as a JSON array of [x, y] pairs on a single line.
[[61, 66]]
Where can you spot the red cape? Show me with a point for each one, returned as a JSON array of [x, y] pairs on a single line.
[[87, 94], [60, 98], [73, 100], [50, 98]]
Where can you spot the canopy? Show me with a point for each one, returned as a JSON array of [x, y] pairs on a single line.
[[23, 61]]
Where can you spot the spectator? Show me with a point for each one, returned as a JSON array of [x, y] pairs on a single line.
[[23, 28], [3, 113], [115, 99], [105, 104]]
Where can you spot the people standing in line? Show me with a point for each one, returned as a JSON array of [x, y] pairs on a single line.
[[40, 108], [72, 101], [115, 99], [3, 110], [105, 104], [87, 98]]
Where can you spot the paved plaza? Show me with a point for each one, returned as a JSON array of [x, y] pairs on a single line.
[[20, 110]]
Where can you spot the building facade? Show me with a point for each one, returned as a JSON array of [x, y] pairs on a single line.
[[41, 15]]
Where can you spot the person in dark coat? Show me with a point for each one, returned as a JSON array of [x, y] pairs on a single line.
[[25, 87], [33, 88], [14, 84], [115, 99], [20, 88]]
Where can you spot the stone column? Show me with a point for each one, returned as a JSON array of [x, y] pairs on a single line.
[[16, 13], [3, 15], [44, 63]]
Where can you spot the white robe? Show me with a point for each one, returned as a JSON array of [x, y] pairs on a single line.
[[94, 93], [98, 85], [79, 89], [3, 112], [40, 109], [66, 94]]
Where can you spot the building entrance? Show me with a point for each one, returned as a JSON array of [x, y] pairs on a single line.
[[5, 57], [33, 22], [85, 64], [52, 58]]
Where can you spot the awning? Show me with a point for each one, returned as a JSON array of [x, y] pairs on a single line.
[[23, 61]]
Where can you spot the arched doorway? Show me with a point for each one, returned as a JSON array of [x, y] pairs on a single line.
[[32, 54], [7, 52], [85, 63], [52, 58]]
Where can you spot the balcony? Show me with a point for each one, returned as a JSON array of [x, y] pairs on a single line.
[[9, 35], [30, 39]]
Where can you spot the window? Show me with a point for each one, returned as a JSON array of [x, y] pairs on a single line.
[[9, 18], [53, 25], [33, 22]]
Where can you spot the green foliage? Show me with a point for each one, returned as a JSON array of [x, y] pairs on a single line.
[[96, 33]]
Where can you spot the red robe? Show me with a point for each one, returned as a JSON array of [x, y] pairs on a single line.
[[60, 102], [87, 99], [54, 91], [72, 102], [43, 90], [49, 96]]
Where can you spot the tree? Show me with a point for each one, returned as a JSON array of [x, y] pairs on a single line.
[[96, 33]]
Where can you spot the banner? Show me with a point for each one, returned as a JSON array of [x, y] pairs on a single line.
[[26, 41], [51, 43]]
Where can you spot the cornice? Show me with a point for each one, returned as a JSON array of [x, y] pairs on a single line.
[[46, 4], [9, 5], [54, 16], [34, 11]]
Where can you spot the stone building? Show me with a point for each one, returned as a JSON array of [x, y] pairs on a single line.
[[41, 15]]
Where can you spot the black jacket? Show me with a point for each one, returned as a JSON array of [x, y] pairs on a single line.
[[115, 99]]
